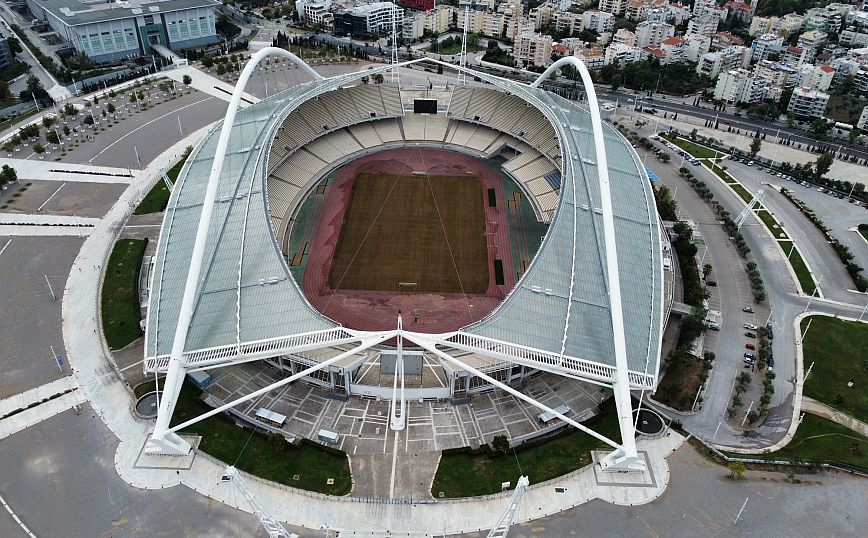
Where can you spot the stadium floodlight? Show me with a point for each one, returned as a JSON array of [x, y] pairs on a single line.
[[587, 338]]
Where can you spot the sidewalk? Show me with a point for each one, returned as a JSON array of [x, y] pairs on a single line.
[[55, 171], [207, 84], [42, 392], [820, 409], [20, 219]]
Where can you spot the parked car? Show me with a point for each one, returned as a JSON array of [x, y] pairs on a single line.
[[750, 346], [712, 325], [712, 283], [748, 360], [747, 309], [750, 327], [750, 356], [750, 334]]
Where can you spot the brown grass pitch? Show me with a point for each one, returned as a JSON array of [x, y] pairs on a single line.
[[392, 233]]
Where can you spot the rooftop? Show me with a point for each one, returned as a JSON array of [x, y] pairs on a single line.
[[73, 12]]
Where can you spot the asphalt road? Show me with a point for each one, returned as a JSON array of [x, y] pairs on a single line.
[[59, 478], [29, 317]]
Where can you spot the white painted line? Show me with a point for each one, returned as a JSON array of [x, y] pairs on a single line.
[[124, 369], [4, 247], [50, 197], [145, 125], [394, 465]]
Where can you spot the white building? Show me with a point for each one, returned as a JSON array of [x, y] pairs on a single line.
[[108, 32], [623, 54], [765, 44], [742, 86], [862, 124], [615, 7], [785, 26], [368, 19], [597, 20], [653, 33], [625, 37], [816, 77], [808, 103], [312, 11]]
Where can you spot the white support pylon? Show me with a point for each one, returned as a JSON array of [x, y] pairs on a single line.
[[755, 201], [271, 525], [395, 77], [501, 528], [398, 416], [462, 78]]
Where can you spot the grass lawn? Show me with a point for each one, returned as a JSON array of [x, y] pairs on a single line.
[[742, 192], [837, 349], [452, 49], [806, 281], [12, 121], [225, 441], [467, 475], [844, 108], [863, 229], [721, 173], [769, 221], [700, 152], [120, 293], [818, 439], [158, 198]]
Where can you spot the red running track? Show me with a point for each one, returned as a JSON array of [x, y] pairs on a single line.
[[422, 312]]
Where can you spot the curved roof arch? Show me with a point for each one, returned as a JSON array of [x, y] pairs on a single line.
[[248, 305]]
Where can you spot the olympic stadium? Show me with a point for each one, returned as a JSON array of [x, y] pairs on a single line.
[[385, 242]]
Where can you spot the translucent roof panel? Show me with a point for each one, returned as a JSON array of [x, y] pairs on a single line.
[[535, 313]]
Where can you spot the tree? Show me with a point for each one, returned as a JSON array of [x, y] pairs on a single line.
[[736, 470], [111, 108], [500, 444], [616, 81], [14, 44], [187, 80], [8, 174], [755, 146], [377, 78], [824, 162], [88, 120], [34, 90], [69, 110], [48, 121], [39, 148], [706, 270], [855, 133], [52, 138]]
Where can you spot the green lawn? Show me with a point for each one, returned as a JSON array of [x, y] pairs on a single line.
[[700, 152], [742, 192], [158, 198], [721, 173], [820, 440], [225, 441], [837, 349], [467, 475], [863, 229], [120, 293], [769, 221], [806, 281], [844, 108]]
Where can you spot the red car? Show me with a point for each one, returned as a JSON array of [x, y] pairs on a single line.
[[749, 346]]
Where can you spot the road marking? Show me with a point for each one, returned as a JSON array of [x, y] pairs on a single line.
[[146, 124], [50, 197], [4, 247], [394, 464]]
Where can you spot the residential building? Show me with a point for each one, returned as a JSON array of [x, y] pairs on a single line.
[[722, 40], [817, 77], [796, 56], [673, 48], [776, 74], [860, 80], [677, 13], [653, 33], [785, 26], [765, 44], [808, 103], [114, 31], [615, 7], [706, 17], [637, 10], [597, 20], [815, 39], [862, 124], [593, 56], [566, 21], [625, 37], [542, 15], [739, 10], [533, 49], [435, 21], [368, 19], [621, 53], [695, 45], [711, 64], [731, 84]]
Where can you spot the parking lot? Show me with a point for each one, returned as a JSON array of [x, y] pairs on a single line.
[[59, 478], [61, 198], [30, 319]]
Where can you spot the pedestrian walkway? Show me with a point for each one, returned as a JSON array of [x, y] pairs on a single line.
[[35, 395], [211, 85], [20, 219], [38, 413], [820, 409], [14, 230], [28, 170]]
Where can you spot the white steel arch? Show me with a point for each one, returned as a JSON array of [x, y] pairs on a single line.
[[627, 456], [163, 440]]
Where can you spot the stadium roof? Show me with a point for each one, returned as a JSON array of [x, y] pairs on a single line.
[[247, 294]]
